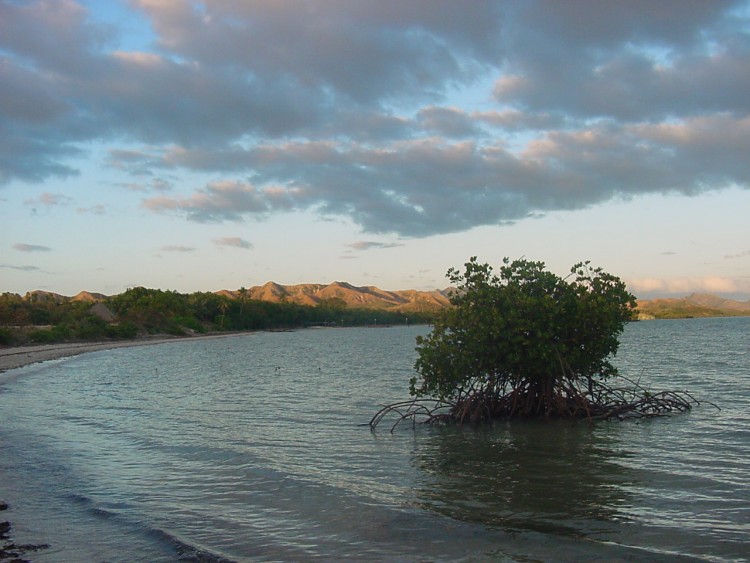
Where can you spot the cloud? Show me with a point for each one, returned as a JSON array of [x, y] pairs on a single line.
[[368, 245], [708, 284], [155, 185], [368, 112], [177, 248], [21, 268], [222, 201], [635, 61], [23, 247], [449, 122], [236, 242], [427, 186], [355, 51], [48, 199], [97, 209], [737, 255]]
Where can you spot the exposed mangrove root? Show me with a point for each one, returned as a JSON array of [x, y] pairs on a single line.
[[558, 399], [414, 411]]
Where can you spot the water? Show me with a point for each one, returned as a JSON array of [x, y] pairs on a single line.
[[255, 448]]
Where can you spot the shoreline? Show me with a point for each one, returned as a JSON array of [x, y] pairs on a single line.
[[14, 357]]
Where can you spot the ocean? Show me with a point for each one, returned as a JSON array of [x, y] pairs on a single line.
[[256, 447]]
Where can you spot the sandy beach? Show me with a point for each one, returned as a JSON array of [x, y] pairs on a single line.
[[13, 357]]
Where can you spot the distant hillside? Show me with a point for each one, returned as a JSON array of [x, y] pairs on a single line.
[[370, 297], [89, 297], [367, 297], [40, 296], [694, 305]]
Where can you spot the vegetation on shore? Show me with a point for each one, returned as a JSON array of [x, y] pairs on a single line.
[[42, 316], [140, 311], [527, 343], [691, 306]]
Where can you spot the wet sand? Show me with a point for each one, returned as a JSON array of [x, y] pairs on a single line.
[[12, 357]]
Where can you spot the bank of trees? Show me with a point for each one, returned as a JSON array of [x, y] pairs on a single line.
[[43, 319], [142, 311]]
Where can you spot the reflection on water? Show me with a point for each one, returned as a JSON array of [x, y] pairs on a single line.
[[547, 476]]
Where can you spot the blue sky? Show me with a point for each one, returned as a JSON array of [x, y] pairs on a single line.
[[210, 145]]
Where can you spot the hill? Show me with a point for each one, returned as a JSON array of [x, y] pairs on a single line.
[[405, 301], [340, 293], [366, 297], [693, 305]]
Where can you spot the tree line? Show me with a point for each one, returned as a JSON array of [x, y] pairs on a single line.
[[141, 311]]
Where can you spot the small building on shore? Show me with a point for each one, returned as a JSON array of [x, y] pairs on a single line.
[[100, 310]]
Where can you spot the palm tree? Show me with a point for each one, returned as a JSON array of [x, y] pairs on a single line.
[[243, 297], [223, 307]]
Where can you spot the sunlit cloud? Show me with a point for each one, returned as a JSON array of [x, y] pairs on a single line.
[[24, 247], [48, 199], [226, 201], [235, 242], [683, 286], [586, 116]]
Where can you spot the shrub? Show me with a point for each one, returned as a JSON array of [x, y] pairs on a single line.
[[524, 342]]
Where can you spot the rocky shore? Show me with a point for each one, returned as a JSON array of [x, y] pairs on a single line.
[[9, 550]]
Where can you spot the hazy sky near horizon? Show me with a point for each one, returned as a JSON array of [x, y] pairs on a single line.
[[205, 145]]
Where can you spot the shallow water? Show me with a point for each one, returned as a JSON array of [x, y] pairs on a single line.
[[252, 448]]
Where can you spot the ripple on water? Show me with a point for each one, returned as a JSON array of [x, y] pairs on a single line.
[[251, 448]]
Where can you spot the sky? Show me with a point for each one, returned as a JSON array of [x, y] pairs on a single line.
[[204, 145]]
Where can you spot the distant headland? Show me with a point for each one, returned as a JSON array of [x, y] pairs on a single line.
[[692, 306]]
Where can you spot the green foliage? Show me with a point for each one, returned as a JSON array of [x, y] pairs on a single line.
[[124, 331], [7, 336], [332, 304], [525, 332], [90, 327], [58, 333], [190, 323], [141, 310]]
